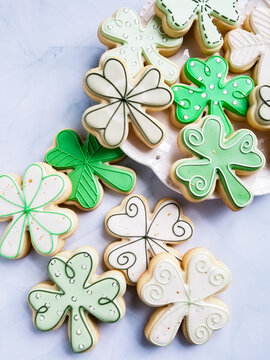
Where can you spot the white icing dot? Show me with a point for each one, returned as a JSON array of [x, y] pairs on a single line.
[[219, 75], [215, 103], [199, 78], [38, 295], [71, 281], [185, 117], [248, 81], [225, 92], [57, 297], [122, 51], [197, 107], [81, 346], [207, 69], [139, 37], [218, 60], [84, 267], [57, 274], [47, 305], [125, 10], [78, 332], [150, 38], [53, 262], [191, 91], [212, 86], [91, 308], [76, 317], [125, 36], [164, 39], [74, 299], [134, 63], [149, 50], [128, 24], [133, 48], [89, 292], [155, 26], [42, 317], [86, 255], [235, 84], [172, 72], [114, 284], [204, 95], [234, 102], [192, 64], [182, 103], [160, 62], [112, 311], [59, 313], [110, 27], [69, 263], [136, 22]]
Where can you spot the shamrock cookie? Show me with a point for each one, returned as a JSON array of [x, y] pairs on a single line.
[[184, 295], [136, 44], [125, 100], [251, 45], [144, 234], [213, 92], [78, 293], [217, 161], [86, 163], [210, 15], [259, 112], [31, 204]]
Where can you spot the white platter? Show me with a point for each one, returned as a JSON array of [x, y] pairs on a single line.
[[161, 158]]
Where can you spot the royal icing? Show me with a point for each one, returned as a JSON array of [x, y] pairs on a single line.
[[78, 292], [217, 158], [247, 48], [126, 101], [213, 91], [89, 162], [137, 43], [33, 212], [181, 14], [263, 105], [185, 296], [144, 234]]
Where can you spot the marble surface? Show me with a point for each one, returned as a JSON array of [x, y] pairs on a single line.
[[46, 48]]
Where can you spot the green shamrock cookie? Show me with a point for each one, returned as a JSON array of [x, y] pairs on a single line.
[[77, 292], [213, 91], [87, 163], [217, 158]]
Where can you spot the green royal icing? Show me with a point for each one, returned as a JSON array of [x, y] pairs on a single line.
[[89, 162], [218, 158], [212, 91], [75, 296], [180, 15], [140, 43]]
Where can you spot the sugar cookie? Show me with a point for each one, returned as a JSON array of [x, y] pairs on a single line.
[[125, 100], [213, 92], [210, 16], [76, 292], [31, 204], [184, 295], [251, 45], [144, 234], [259, 112], [136, 44], [217, 163], [86, 163]]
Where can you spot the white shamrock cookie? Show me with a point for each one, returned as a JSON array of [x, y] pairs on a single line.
[[211, 16], [251, 45], [144, 234], [125, 100], [259, 111], [31, 205], [184, 295], [137, 44]]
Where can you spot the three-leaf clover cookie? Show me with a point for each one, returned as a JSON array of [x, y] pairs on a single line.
[[217, 161], [213, 93], [77, 293], [143, 234], [86, 163], [31, 204], [184, 294], [137, 44], [210, 15], [124, 100], [251, 45], [259, 111]]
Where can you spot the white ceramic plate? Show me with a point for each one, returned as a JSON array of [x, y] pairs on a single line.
[[161, 158]]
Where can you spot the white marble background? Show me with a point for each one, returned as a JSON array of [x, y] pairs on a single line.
[[46, 46]]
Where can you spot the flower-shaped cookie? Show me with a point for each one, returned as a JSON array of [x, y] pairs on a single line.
[[213, 91], [123, 101], [33, 209], [78, 293], [136, 44], [144, 234], [259, 112], [216, 158], [178, 16], [89, 162], [185, 296], [251, 45]]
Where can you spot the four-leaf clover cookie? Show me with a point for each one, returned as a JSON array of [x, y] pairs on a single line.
[[217, 162], [213, 93], [76, 292], [210, 15], [31, 204], [259, 111], [144, 234], [125, 100], [251, 45], [86, 163], [136, 44], [184, 294]]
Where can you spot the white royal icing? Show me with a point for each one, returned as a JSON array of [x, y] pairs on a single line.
[[185, 295], [30, 209], [125, 103], [246, 48], [145, 234]]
